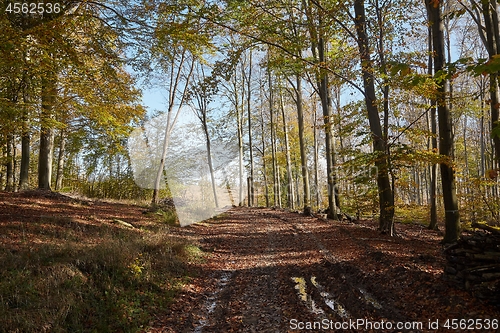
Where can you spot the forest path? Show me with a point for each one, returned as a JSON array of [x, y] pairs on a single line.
[[276, 271]]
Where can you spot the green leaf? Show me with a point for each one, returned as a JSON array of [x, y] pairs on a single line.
[[485, 66], [495, 132]]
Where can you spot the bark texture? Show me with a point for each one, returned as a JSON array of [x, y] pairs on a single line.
[[386, 198], [446, 136]]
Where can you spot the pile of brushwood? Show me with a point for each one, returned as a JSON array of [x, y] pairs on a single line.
[[473, 263]]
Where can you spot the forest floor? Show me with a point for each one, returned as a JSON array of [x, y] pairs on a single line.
[[269, 270], [261, 270]]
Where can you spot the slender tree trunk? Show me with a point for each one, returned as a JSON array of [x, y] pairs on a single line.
[[466, 154], [240, 110], [202, 99], [161, 168], [385, 89], [175, 80], [386, 198], [61, 160], [297, 187], [303, 155], [209, 158], [251, 197], [2, 169], [452, 216], [46, 132], [315, 26], [291, 193], [264, 170], [10, 163], [333, 200], [433, 224], [25, 154], [239, 119], [425, 185], [495, 114], [495, 100], [316, 157], [433, 186], [276, 185], [481, 137], [492, 44], [417, 185], [15, 166]]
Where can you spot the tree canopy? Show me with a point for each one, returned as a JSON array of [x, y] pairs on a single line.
[[344, 107]]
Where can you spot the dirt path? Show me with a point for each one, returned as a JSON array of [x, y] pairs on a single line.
[[275, 271]]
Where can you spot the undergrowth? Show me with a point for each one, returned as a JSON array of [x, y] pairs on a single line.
[[166, 215], [419, 214], [116, 285]]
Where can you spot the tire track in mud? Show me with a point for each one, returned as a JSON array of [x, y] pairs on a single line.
[[349, 286], [260, 313], [245, 297], [212, 300]]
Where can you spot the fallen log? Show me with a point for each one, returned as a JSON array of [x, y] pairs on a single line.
[[486, 227]]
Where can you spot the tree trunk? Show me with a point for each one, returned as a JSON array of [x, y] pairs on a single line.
[[210, 166], [452, 216], [202, 98], [494, 104], [303, 155], [251, 190], [433, 186], [49, 91], [161, 167], [264, 171], [433, 224], [493, 33], [482, 171], [276, 184], [175, 81], [316, 157], [60, 160], [10, 163], [15, 165], [291, 193], [209, 157], [25, 154], [322, 83], [239, 119], [385, 89], [491, 41], [386, 199], [2, 171], [324, 94]]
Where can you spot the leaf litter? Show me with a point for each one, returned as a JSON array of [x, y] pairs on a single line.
[[287, 268]]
